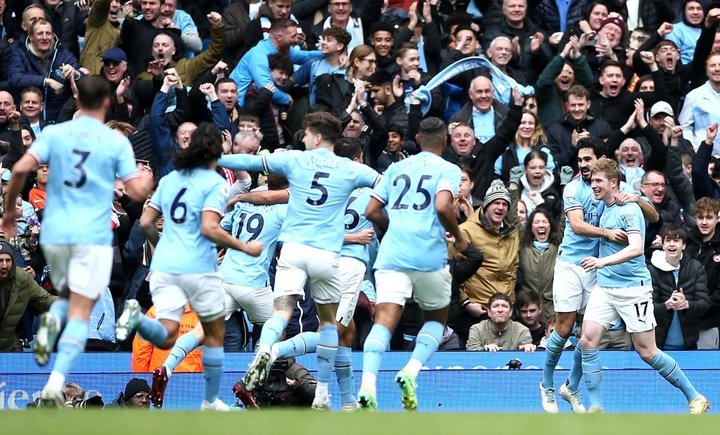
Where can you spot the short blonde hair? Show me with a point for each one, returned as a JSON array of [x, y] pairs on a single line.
[[609, 167]]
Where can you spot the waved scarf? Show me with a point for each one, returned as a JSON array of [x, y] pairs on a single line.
[[502, 83]]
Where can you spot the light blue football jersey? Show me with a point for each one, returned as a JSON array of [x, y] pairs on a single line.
[[181, 197], [248, 222], [320, 185], [355, 222], [415, 239], [578, 195], [631, 273], [85, 157]]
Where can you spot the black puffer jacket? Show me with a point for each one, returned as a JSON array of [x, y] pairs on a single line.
[[694, 284], [708, 254]]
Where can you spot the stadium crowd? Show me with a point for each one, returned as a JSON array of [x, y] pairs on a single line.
[[641, 76]]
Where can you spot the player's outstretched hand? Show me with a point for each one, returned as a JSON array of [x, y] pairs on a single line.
[[253, 248]]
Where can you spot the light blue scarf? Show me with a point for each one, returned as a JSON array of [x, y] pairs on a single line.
[[502, 83]]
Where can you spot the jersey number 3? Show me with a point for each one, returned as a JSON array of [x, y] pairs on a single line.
[[83, 155]]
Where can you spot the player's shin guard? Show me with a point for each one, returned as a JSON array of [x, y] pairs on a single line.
[[70, 346], [343, 370], [427, 343], [183, 346], [152, 330], [555, 346], [327, 348], [212, 360], [375, 345], [670, 370], [271, 332], [592, 371], [298, 345], [576, 372], [59, 310]]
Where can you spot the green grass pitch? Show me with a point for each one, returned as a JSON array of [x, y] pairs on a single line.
[[107, 422]]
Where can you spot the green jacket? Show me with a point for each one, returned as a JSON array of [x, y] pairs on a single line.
[[100, 35], [550, 102], [22, 290]]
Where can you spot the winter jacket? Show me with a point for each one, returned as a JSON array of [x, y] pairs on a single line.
[[236, 18], [501, 258], [26, 70], [708, 254], [17, 292], [146, 357], [538, 270], [67, 23], [136, 39], [100, 35], [259, 103], [547, 17], [693, 282], [552, 200]]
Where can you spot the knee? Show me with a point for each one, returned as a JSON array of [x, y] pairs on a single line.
[[588, 342], [646, 354]]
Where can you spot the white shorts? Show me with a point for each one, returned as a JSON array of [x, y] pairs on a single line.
[[431, 290], [171, 292], [83, 269], [352, 273], [299, 264], [571, 287], [257, 302], [634, 305]]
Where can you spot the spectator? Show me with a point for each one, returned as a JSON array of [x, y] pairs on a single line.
[[18, 289], [253, 67], [183, 21], [136, 36], [273, 116], [491, 232], [394, 151], [699, 110], [382, 39], [529, 137], [115, 70], [530, 314], [236, 17], [37, 193], [551, 18], [146, 357], [465, 203], [334, 88], [679, 292], [538, 251], [333, 45], [67, 22], [499, 332], [46, 65], [102, 32], [483, 113], [704, 246], [577, 123], [165, 52], [568, 68], [136, 395], [686, 32], [260, 28], [536, 184], [341, 16], [31, 106], [702, 181]]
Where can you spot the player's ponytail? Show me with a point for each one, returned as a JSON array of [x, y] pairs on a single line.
[[205, 148]]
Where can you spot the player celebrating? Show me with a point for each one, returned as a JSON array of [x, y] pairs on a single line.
[[572, 284], [312, 236], [412, 260], [184, 265], [246, 282], [624, 291], [85, 156], [359, 233]]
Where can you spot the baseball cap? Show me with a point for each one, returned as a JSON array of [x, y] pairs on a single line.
[[115, 54], [661, 107]]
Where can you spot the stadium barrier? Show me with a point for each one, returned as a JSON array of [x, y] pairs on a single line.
[[452, 382]]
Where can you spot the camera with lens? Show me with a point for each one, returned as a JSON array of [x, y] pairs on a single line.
[[90, 402]]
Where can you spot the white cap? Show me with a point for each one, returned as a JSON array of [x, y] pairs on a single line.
[[661, 107]]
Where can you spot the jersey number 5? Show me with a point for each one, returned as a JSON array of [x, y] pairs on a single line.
[[320, 188], [83, 155], [405, 180]]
